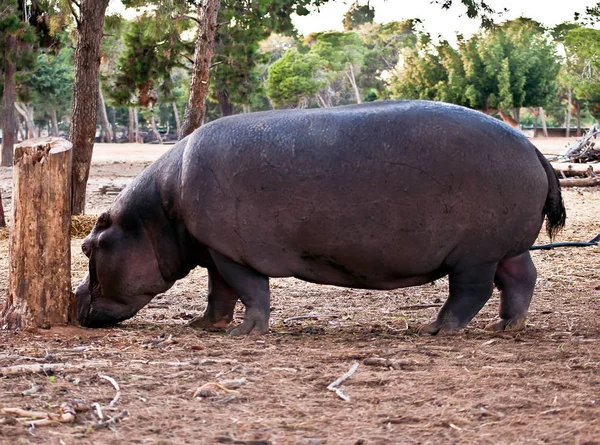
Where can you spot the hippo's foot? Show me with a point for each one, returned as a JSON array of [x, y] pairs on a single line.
[[437, 328], [512, 325], [209, 323], [255, 322]]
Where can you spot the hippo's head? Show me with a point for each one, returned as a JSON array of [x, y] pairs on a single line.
[[124, 269]]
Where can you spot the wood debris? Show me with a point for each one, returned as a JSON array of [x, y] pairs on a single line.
[[334, 386]]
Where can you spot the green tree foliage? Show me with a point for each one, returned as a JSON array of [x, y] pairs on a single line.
[[513, 65], [358, 15], [582, 46], [292, 81]]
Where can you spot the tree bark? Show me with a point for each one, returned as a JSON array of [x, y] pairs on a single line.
[[54, 122], [131, 126], [203, 54], [543, 119], [104, 117], [569, 104], [517, 115], [8, 104], [224, 102], [177, 120], [85, 95], [39, 289]]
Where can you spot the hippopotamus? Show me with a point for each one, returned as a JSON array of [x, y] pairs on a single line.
[[375, 196]]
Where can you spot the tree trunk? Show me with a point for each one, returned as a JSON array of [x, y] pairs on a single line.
[[352, 80], [203, 53], [39, 289], [113, 124], [22, 128], [155, 130], [136, 123], [578, 111], [177, 120], [131, 126], [54, 121], [543, 119], [569, 100], [104, 117], [517, 115], [224, 102], [85, 95], [27, 112], [8, 104]]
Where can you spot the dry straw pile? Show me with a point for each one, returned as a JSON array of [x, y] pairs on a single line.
[[81, 226]]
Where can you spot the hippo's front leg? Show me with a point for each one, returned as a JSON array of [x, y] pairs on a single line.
[[221, 303], [252, 288]]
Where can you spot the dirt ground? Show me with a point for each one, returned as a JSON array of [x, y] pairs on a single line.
[[179, 385]]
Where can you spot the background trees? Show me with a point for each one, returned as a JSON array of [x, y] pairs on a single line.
[[155, 64]]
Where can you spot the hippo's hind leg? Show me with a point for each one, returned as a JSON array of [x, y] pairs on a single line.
[[252, 288], [470, 288], [221, 303], [515, 279]]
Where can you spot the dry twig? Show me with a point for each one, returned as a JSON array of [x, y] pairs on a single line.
[[49, 367], [334, 385], [117, 388]]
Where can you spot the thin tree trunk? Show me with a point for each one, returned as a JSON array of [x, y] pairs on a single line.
[[8, 104], [104, 117], [569, 104], [21, 126], [543, 119], [177, 120], [155, 130], [85, 95], [136, 123], [203, 54], [536, 122], [517, 114], [54, 121], [27, 112], [39, 289], [224, 102], [578, 111], [131, 125], [352, 80], [113, 124]]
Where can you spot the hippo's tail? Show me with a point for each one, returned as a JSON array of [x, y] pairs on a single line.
[[554, 208]]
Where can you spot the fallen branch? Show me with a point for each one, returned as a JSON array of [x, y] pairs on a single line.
[[580, 182], [49, 367], [418, 306], [116, 386], [110, 421], [313, 316], [334, 385], [42, 418], [387, 363]]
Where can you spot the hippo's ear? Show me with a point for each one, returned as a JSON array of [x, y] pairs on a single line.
[[168, 245]]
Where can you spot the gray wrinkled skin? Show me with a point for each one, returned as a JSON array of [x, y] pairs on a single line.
[[378, 196]]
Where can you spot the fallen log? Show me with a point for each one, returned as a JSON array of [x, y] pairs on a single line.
[[569, 170], [580, 182]]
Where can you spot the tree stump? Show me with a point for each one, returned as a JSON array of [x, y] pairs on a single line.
[[39, 289]]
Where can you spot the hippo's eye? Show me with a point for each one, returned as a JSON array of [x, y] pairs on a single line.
[[103, 221]]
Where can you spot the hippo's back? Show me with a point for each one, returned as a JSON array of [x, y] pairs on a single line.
[[367, 195]]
